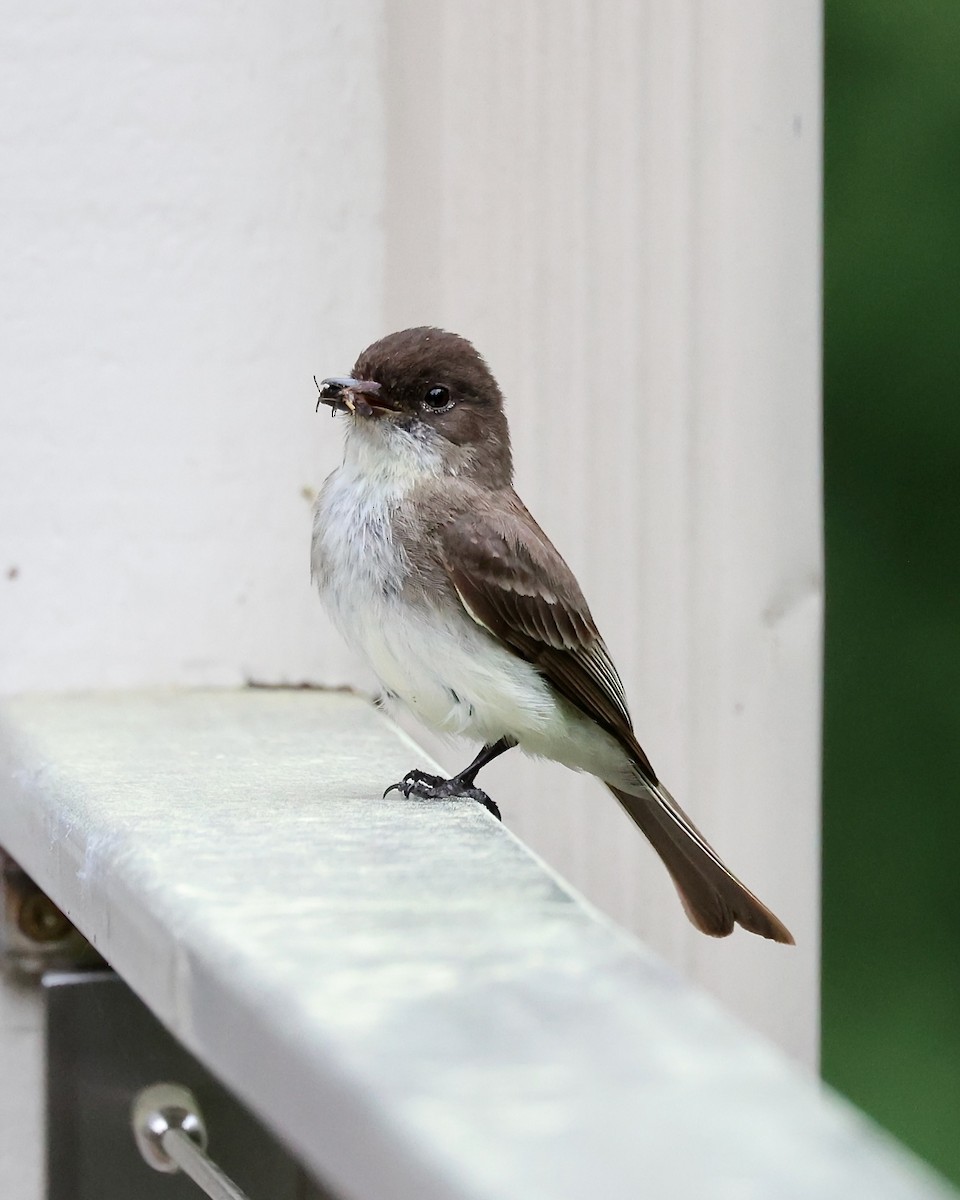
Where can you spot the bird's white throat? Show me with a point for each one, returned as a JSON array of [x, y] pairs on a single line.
[[391, 456]]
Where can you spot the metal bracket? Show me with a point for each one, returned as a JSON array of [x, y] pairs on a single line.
[[104, 1051], [35, 936]]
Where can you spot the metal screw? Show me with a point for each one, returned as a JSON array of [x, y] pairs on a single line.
[[40, 920]]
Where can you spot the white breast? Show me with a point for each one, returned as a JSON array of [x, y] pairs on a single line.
[[355, 562], [434, 658]]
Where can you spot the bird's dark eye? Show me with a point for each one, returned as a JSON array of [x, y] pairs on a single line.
[[437, 398]]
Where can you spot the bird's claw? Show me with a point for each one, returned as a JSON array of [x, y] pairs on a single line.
[[435, 787], [417, 782]]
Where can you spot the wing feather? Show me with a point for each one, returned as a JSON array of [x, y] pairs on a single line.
[[513, 582]]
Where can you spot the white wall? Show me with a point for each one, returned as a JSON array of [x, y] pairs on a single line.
[[192, 227], [192, 197], [618, 201]]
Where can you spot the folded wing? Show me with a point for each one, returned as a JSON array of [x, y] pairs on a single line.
[[513, 582]]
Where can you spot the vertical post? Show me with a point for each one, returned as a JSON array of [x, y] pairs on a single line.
[[619, 203]]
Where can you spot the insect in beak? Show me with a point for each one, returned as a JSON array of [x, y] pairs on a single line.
[[345, 394]]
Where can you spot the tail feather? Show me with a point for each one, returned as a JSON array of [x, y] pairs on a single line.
[[713, 898]]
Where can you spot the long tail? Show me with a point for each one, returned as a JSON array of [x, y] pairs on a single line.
[[714, 899]]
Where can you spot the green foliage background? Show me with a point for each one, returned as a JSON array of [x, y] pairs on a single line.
[[891, 985]]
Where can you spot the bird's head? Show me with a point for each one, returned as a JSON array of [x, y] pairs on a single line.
[[425, 396]]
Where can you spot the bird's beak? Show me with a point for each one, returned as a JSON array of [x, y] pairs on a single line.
[[345, 394]]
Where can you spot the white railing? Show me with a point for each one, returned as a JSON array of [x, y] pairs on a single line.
[[399, 989]]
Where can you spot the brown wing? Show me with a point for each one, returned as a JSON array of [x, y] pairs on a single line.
[[513, 582]]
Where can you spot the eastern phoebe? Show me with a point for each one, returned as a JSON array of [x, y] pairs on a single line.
[[435, 572]]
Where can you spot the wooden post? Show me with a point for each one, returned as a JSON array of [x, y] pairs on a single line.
[[619, 202]]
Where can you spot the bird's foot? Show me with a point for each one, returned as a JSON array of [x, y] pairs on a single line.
[[435, 787], [417, 783]]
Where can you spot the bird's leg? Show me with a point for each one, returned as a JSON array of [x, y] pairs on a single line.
[[469, 774], [434, 787]]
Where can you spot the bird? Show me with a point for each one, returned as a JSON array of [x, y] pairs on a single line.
[[434, 572]]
